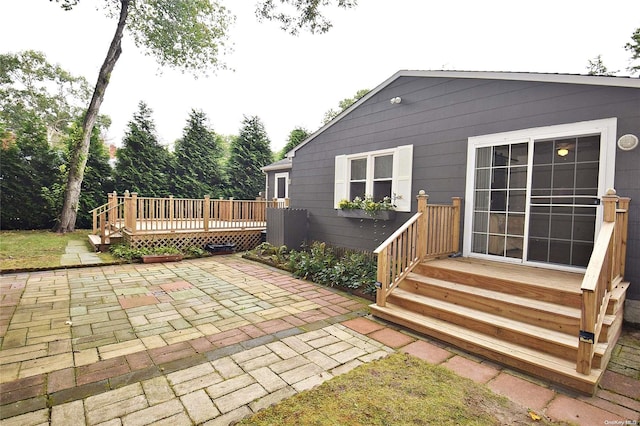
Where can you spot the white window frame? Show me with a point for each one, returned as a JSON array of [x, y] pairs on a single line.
[[400, 182], [284, 175], [607, 128]]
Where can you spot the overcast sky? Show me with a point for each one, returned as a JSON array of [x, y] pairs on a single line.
[[291, 81]]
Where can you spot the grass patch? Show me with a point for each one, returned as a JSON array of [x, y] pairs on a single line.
[[397, 390], [38, 249]]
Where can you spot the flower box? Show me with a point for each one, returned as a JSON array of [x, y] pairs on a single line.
[[363, 214], [159, 258]]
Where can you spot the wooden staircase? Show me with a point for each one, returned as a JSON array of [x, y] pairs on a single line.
[[523, 317], [99, 246]]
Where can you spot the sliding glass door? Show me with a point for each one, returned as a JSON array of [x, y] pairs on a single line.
[[535, 197]]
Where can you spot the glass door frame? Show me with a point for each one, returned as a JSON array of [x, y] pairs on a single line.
[[606, 128]]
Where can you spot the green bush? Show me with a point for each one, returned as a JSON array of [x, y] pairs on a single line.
[[313, 263], [319, 263], [352, 271], [129, 254], [194, 251]]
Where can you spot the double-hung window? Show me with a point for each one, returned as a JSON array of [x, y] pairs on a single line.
[[377, 174]]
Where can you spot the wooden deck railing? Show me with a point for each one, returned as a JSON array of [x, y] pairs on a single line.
[[109, 217], [604, 271], [433, 231], [146, 214]]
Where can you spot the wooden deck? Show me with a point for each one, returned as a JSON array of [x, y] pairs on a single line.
[[147, 222]]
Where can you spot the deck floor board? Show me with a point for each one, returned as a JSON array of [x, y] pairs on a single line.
[[530, 275]]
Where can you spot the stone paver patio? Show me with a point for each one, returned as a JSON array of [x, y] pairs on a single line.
[[210, 341]]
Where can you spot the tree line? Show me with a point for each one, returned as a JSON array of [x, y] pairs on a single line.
[[33, 173], [40, 129]]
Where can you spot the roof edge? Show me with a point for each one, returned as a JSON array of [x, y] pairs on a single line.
[[594, 80]]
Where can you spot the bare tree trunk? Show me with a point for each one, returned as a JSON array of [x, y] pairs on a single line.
[[79, 155]]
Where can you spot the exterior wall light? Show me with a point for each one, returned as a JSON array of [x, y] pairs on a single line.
[[627, 142], [396, 100]]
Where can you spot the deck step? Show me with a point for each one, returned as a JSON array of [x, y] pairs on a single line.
[[560, 344], [559, 287], [95, 241], [531, 311], [517, 356]]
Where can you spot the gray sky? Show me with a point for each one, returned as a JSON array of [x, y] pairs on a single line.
[[291, 81]]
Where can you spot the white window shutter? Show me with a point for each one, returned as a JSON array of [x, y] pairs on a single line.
[[340, 180], [403, 168]]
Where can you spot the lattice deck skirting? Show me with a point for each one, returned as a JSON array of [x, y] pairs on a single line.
[[243, 239]]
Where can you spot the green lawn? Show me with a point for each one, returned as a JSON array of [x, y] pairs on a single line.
[[37, 249], [397, 390]]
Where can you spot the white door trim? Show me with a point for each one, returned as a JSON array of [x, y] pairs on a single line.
[[284, 175]]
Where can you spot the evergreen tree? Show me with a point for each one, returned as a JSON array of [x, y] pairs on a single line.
[[29, 169], [249, 153], [142, 162], [634, 47], [197, 161], [296, 137]]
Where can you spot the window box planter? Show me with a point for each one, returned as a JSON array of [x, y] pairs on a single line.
[[362, 214], [159, 258]]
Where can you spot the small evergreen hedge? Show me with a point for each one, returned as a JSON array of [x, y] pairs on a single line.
[[352, 271]]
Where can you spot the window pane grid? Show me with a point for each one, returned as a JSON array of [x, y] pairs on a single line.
[[500, 200], [371, 176]]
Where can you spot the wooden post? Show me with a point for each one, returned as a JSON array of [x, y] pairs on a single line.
[[422, 224], [112, 210], [171, 213], [456, 224], [230, 211], [585, 341], [95, 221], [286, 203], [206, 213], [383, 277], [623, 204], [127, 210], [103, 234], [609, 202], [133, 214]]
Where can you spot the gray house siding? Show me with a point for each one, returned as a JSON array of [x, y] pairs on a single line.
[[268, 191], [437, 116]]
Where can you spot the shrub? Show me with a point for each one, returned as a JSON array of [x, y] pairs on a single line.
[[129, 253], [319, 263], [312, 264], [193, 251], [352, 271], [355, 271]]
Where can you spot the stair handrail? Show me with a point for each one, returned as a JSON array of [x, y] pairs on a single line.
[[397, 256], [109, 217], [604, 270], [433, 231]]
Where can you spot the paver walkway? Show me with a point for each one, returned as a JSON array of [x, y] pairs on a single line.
[[210, 341], [77, 253]]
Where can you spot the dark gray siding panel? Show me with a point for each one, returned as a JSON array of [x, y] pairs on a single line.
[[271, 176], [437, 116]]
